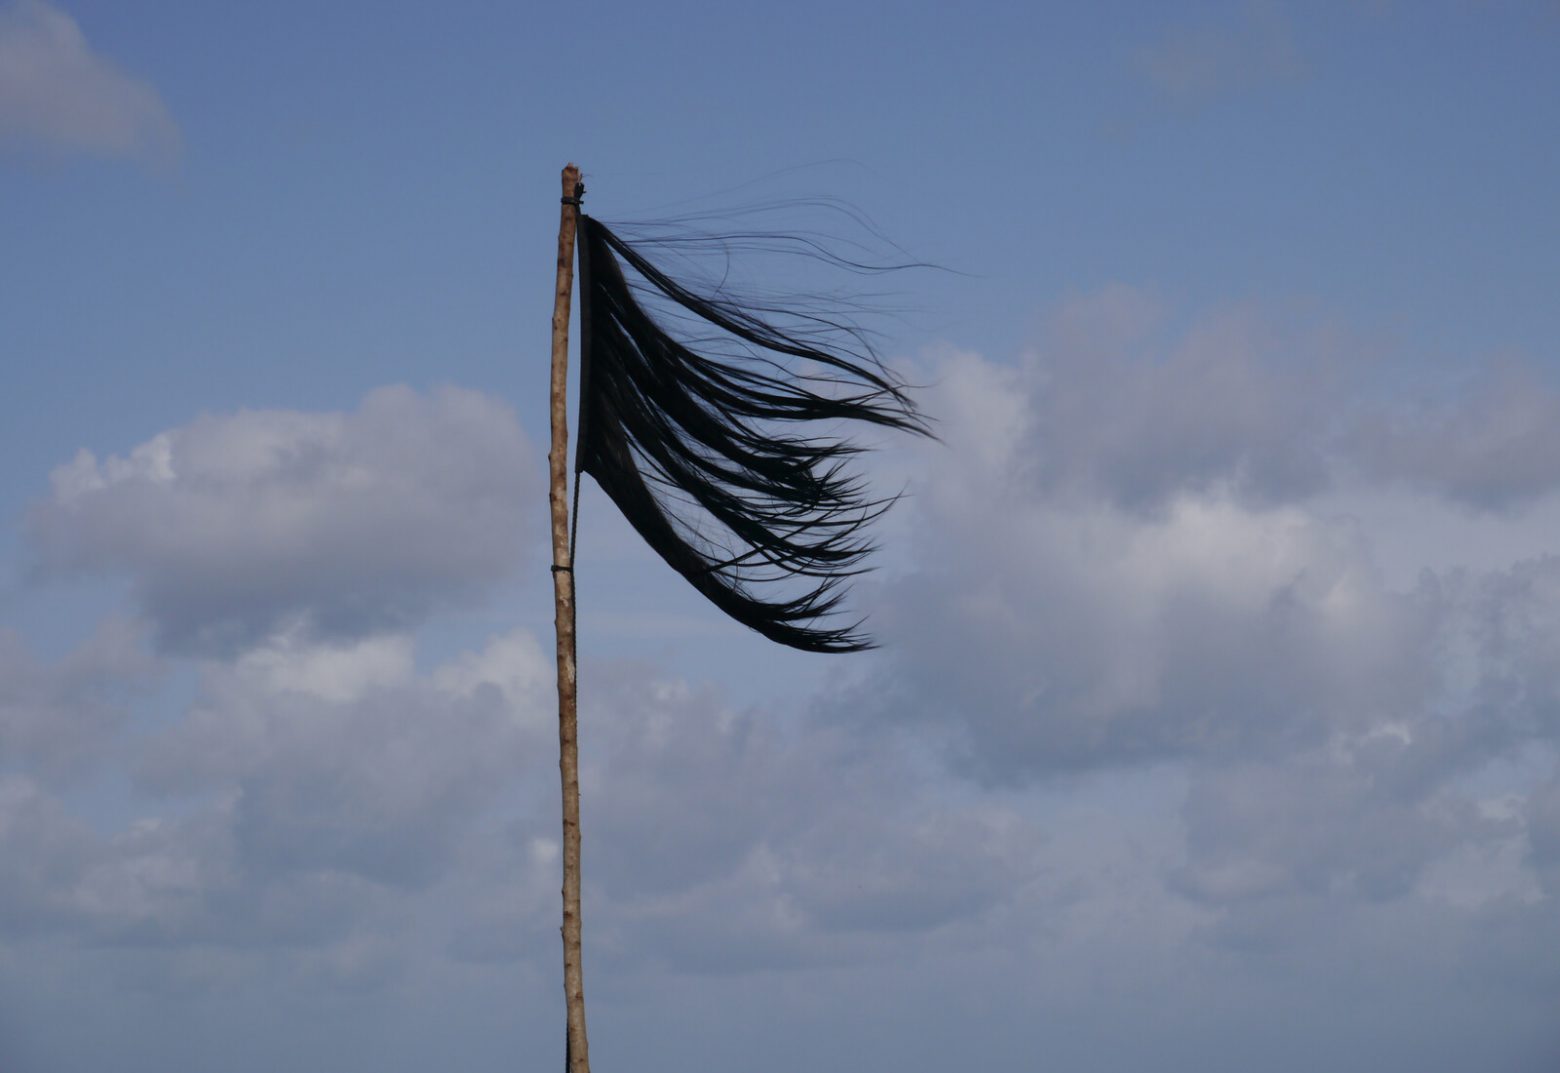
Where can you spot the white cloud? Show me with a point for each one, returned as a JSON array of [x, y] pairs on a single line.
[[1129, 568], [238, 527], [377, 781], [1145, 552], [1542, 824], [57, 93], [1231, 758], [57, 720], [1139, 546], [1494, 446], [1119, 407], [303, 799], [289, 664], [307, 799], [737, 841]]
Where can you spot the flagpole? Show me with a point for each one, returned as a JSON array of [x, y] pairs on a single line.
[[578, 1053]]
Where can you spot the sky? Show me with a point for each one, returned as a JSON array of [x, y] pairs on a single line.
[[1216, 722]]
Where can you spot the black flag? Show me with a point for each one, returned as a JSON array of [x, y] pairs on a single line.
[[720, 451]]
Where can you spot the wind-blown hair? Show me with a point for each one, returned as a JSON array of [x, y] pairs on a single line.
[[711, 445]]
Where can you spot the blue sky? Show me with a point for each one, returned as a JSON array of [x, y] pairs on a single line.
[[1214, 725]]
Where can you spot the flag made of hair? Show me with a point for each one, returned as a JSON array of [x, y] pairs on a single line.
[[721, 450]]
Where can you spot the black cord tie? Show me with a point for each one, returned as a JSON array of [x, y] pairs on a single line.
[[570, 200], [561, 569]]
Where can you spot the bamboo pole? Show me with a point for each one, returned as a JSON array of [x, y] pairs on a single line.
[[563, 596]]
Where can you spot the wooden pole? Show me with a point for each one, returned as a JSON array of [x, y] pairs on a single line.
[[563, 597]]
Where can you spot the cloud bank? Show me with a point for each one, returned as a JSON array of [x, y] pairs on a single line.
[[1196, 712]]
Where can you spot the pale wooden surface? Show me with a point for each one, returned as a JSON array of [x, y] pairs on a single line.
[[563, 596]]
